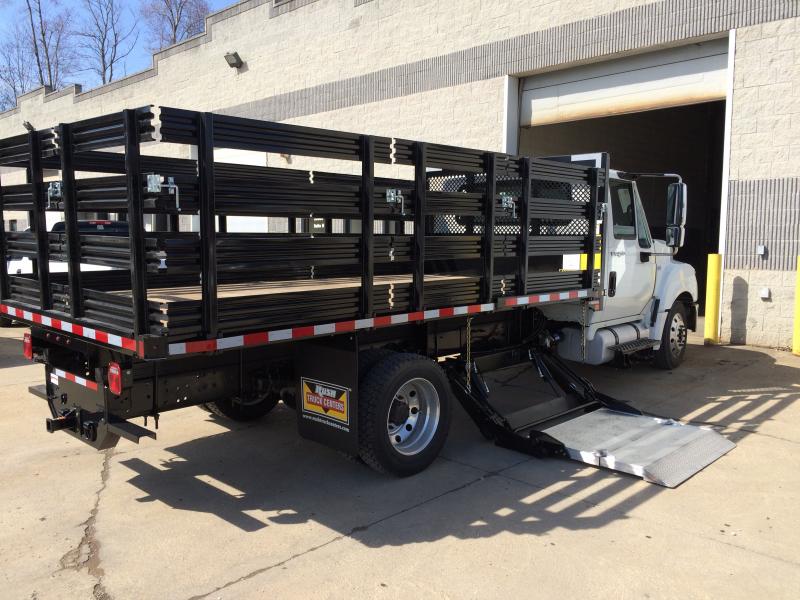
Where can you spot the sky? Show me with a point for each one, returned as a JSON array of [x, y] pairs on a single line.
[[137, 60]]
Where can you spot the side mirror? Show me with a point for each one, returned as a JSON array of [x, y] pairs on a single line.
[[676, 214], [675, 236]]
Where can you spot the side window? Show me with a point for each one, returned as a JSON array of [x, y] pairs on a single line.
[[642, 228], [623, 210]]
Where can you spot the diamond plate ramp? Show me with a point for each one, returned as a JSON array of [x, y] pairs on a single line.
[[660, 451]]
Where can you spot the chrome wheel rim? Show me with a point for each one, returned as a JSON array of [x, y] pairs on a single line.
[[677, 335], [413, 416]]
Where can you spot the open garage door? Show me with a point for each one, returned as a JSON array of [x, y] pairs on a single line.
[[663, 112], [675, 77]]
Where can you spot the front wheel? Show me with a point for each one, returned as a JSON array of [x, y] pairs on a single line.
[[673, 339], [404, 414]]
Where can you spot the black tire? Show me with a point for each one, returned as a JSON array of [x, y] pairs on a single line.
[[5, 322], [369, 358], [393, 374], [248, 410], [672, 350]]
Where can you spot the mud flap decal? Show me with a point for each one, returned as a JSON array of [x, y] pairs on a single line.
[[326, 403], [328, 393]]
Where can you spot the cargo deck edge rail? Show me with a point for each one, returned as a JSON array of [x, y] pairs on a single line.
[[446, 241]]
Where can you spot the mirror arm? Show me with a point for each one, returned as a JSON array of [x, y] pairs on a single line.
[[634, 176]]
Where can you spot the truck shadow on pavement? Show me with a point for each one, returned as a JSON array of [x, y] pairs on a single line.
[[11, 350], [264, 475]]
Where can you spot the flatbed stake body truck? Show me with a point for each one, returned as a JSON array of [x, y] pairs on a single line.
[[367, 303]]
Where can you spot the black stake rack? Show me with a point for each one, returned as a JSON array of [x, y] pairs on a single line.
[[353, 246]]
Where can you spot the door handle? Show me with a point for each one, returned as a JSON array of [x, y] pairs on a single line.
[[644, 256], [612, 284]]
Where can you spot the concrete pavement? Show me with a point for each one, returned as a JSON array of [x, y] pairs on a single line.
[[214, 509]]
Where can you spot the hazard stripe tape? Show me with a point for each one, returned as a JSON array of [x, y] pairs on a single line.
[[292, 333], [79, 330], [87, 383], [542, 298], [308, 331]]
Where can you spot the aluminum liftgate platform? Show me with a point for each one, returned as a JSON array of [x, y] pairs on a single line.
[[661, 451], [529, 400]]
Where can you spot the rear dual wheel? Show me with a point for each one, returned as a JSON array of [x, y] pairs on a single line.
[[404, 414], [404, 411]]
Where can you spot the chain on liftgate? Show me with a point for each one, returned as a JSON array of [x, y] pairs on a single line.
[[584, 304], [469, 354]]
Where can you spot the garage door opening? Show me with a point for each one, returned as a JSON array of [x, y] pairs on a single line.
[[687, 140]]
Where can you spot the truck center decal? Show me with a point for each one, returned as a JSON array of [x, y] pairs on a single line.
[[326, 400]]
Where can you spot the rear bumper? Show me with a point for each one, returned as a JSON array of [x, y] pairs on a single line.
[[77, 406]]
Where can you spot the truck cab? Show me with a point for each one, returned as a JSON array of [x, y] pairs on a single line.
[[649, 299]]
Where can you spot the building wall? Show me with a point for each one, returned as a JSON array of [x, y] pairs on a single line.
[[750, 319], [323, 55], [764, 196], [327, 55]]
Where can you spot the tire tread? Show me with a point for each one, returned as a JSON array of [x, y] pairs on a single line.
[[663, 359]]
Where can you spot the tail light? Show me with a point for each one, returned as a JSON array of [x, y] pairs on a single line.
[[114, 378], [27, 346]]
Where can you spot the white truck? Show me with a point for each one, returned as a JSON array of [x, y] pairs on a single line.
[[650, 298]]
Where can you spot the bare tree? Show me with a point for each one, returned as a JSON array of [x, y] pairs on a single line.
[[50, 42], [171, 21], [105, 41], [16, 75]]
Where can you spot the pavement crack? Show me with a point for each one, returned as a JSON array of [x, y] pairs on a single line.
[[350, 534], [487, 473], [87, 553]]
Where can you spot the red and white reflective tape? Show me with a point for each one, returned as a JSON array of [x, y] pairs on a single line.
[[292, 333], [79, 330], [87, 383], [542, 298], [295, 333]]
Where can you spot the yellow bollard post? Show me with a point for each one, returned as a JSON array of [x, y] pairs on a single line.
[[713, 278], [796, 335]]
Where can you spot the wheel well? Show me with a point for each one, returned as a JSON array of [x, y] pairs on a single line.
[[691, 312]]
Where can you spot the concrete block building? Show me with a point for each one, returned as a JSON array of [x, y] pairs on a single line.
[[709, 89]]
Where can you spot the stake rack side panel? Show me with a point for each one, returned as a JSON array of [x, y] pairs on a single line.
[[451, 231]]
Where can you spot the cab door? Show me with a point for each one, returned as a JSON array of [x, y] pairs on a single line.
[[631, 271]]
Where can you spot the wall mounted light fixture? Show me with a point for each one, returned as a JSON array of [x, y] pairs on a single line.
[[234, 60]]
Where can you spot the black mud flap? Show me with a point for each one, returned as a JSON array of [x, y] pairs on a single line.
[[327, 401]]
